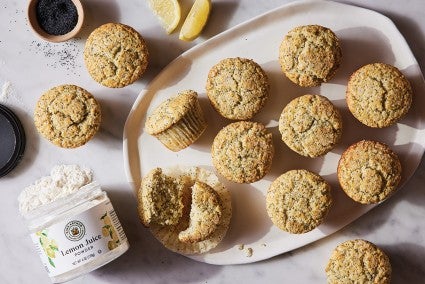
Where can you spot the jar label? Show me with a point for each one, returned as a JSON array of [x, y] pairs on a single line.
[[79, 239]]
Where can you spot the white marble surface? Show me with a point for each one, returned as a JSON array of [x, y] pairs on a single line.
[[32, 66]]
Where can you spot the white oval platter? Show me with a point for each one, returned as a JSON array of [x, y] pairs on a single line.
[[365, 36]]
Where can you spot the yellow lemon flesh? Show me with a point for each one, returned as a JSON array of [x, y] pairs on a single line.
[[168, 12], [195, 20]]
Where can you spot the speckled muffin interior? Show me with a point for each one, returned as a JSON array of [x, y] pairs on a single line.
[[298, 201], [310, 125], [205, 214], [67, 115], [170, 236], [160, 199], [358, 261], [115, 55], [243, 151], [310, 55], [369, 171], [178, 121], [378, 95], [237, 88]]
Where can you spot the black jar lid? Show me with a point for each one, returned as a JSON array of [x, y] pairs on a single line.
[[12, 140]]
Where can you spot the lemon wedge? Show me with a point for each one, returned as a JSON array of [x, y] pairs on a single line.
[[168, 12], [195, 20]]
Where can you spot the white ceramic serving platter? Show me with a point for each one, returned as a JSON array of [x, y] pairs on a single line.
[[365, 37]]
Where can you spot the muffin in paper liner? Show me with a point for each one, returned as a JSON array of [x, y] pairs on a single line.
[[169, 235], [177, 122]]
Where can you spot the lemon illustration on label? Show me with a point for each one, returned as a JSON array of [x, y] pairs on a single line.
[[109, 230], [49, 246]]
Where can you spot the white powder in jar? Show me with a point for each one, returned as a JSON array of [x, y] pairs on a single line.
[[63, 180]]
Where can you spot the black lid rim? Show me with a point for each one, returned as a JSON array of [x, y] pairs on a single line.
[[20, 140]]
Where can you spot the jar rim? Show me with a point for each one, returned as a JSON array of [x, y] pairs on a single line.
[[65, 203]]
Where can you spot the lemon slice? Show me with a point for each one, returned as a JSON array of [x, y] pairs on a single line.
[[168, 12], [195, 20]]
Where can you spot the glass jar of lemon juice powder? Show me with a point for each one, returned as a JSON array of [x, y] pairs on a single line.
[[72, 223]]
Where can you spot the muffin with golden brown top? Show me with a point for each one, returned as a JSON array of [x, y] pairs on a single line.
[[243, 151], [68, 116], [369, 171], [310, 55], [237, 88], [115, 55], [298, 201], [358, 261], [177, 122], [378, 95], [310, 125]]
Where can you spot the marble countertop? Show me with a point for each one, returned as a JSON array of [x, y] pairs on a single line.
[[29, 66]]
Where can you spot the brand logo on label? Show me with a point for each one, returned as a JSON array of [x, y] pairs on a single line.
[[74, 230]]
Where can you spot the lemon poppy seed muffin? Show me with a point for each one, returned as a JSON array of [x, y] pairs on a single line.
[[378, 95], [205, 213], [187, 237], [243, 151], [369, 171], [177, 122], [358, 261], [115, 55], [160, 198], [310, 125], [298, 201], [310, 55], [237, 88], [68, 116]]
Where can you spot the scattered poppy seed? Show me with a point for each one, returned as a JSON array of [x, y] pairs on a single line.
[[64, 56]]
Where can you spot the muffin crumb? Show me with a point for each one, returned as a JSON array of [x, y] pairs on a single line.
[[249, 252]]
